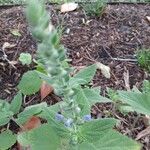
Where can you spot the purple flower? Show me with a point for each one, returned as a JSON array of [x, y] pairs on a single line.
[[87, 118], [68, 122], [59, 117]]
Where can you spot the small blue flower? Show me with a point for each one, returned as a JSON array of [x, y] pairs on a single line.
[[68, 122], [59, 117], [87, 118]]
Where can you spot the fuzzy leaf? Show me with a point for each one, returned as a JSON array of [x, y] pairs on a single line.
[[16, 103], [93, 130], [30, 111], [4, 119], [84, 76], [7, 139], [25, 58], [40, 138], [83, 102], [30, 83], [59, 128], [5, 113], [88, 97], [93, 96], [110, 140], [140, 102], [146, 86]]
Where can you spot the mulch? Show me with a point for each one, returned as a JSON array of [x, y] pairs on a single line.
[[112, 39]]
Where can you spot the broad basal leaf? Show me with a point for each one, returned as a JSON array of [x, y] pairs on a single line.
[[16, 103], [40, 138], [110, 140], [7, 139], [30, 83], [93, 130], [5, 113], [140, 102], [84, 76], [5, 117], [30, 111]]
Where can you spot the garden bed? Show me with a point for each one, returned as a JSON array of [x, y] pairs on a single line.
[[111, 39]]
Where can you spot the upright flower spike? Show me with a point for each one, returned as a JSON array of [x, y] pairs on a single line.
[[52, 55]]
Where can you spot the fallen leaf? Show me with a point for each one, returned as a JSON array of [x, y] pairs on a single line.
[[15, 32], [8, 45], [126, 79], [22, 148], [148, 18], [32, 123], [45, 90], [68, 7], [143, 133], [104, 69], [13, 62]]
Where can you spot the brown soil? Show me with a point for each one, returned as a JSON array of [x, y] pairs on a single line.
[[117, 34]]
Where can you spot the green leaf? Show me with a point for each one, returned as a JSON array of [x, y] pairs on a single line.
[[7, 139], [88, 97], [4, 119], [4, 105], [125, 109], [40, 138], [16, 103], [58, 127], [110, 140], [84, 76], [140, 102], [93, 130], [30, 83], [146, 86], [23, 138], [25, 58], [83, 102], [5, 113], [46, 78], [30, 111], [93, 96]]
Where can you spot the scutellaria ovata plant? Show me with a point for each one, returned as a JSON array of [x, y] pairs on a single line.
[[69, 124]]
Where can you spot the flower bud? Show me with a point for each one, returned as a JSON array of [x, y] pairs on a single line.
[[87, 118], [78, 110], [63, 72], [74, 139], [59, 117], [70, 92], [68, 122]]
